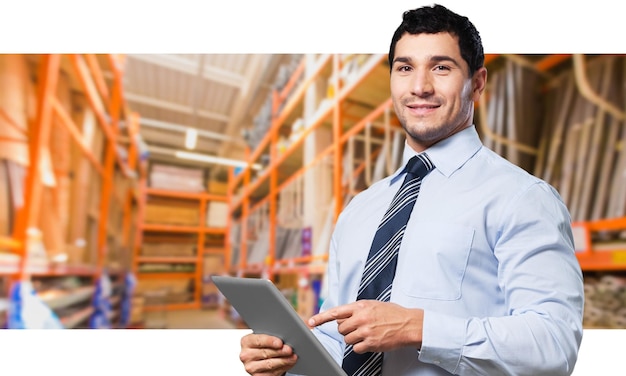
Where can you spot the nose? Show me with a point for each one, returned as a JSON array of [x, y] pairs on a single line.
[[422, 85]]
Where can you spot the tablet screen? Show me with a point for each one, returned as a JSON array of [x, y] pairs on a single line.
[[266, 311]]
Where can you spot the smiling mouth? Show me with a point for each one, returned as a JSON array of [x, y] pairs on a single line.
[[422, 106]]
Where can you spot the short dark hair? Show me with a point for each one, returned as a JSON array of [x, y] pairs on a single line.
[[436, 19]]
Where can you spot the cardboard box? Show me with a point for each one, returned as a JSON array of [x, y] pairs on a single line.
[[168, 249], [218, 188], [172, 215], [177, 178], [217, 214], [212, 264], [170, 285], [306, 302]]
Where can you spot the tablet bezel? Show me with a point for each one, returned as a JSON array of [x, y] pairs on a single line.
[[266, 311]]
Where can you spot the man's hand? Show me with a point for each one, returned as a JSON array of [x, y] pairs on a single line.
[[264, 355], [371, 325]]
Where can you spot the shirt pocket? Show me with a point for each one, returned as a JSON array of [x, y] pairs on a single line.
[[433, 259]]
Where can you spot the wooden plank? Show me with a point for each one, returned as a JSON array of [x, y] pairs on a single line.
[[77, 318], [617, 199], [555, 148], [530, 131], [606, 170], [568, 162], [580, 114], [547, 124], [14, 96], [583, 171], [5, 202], [499, 108], [486, 116], [592, 167], [60, 153], [66, 299], [511, 111]]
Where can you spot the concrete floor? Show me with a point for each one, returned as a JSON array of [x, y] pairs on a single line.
[[190, 319]]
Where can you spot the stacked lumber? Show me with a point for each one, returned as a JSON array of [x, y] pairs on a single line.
[[511, 126], [584, 156], [176, 178], [605, 301], [5, 201], [17, 108], [565, 127], [176, 290], [168, 249], [172, 212], [68, 212], [16, 114]]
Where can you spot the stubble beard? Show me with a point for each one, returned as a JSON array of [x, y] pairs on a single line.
[[423, 134], [426, 133]]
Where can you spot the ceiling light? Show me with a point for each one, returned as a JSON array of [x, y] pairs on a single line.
[[191, 136], [212, 159]]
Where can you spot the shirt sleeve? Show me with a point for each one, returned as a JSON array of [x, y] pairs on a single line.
[[543, 291]]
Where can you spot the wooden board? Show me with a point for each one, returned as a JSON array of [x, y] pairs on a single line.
[[5, 202], [15, 92], [173, 215]]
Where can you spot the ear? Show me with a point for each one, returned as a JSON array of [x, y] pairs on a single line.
[[479, 82]]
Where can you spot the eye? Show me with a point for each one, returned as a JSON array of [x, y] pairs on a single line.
[[442, 68], [404, 68]]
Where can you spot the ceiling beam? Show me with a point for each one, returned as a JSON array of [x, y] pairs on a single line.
[[161, 137], [199, 157], [163, 104], [256, 76], [154, 123], [190, 67]]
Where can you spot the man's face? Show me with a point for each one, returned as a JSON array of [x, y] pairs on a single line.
[[431, 89]]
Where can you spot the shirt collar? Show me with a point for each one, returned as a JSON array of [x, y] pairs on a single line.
[[447, 155]]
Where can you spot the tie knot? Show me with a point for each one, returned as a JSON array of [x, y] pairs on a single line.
[[419, 166]]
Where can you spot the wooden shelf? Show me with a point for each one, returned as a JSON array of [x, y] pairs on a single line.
[[100, 171], [184, 195], [165, 275], [302, 265], [176, 306], [72, 321], [203, 238], [65, 299], [46, 269], [9, 243], [361, 98], [596, 256], [213, 251], [614, 261], [167, 260], [182, 229]]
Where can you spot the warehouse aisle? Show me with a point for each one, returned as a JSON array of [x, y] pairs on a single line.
[[197, 319]]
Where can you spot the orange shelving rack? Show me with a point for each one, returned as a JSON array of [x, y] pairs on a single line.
[[593, 257], [250, 190], [115, 213], [279, 173], [200, 231]]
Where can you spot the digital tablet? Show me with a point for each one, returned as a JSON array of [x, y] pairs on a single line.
[[266, 311]]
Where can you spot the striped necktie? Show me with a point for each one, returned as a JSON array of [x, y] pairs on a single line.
[[381, 262]]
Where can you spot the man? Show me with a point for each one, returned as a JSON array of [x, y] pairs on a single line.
[[486, 281]]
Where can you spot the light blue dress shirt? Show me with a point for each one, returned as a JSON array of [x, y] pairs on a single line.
[[488, 254]]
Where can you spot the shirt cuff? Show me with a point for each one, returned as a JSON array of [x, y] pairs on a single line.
[[443, 338]]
